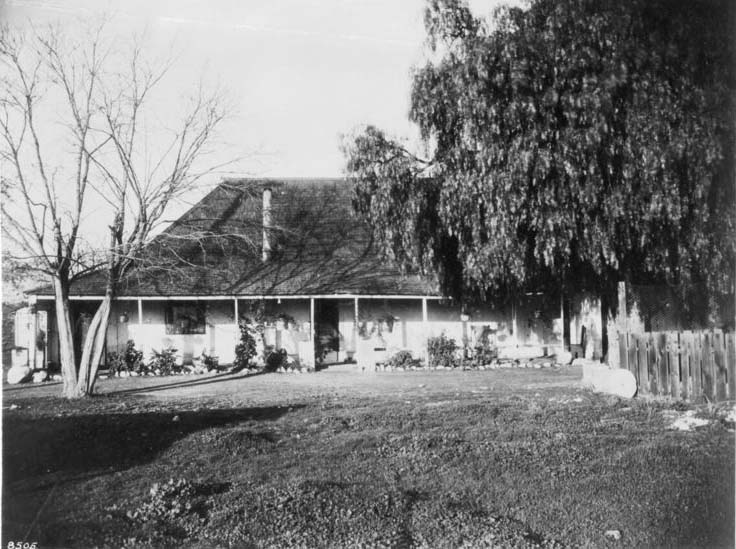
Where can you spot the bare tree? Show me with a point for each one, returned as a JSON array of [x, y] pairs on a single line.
[[91, 154]]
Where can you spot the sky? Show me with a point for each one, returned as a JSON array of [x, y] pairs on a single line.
[[300, 73]]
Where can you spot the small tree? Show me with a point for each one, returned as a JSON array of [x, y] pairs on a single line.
[[91, 152]]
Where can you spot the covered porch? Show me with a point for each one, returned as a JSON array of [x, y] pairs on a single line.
[[313, 329]]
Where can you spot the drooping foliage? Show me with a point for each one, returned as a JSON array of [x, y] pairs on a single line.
[[579, 142]]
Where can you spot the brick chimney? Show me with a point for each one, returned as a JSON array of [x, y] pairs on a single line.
[[266, 224]]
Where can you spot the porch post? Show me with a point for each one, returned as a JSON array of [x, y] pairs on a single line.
[[425, 329], [312, 329], [355, 329], [236, 312], [140, 312], [514, 327]]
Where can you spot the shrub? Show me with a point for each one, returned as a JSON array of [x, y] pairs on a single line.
[[166, 501], [130, 360], [245, 350], [483, 355], [402, 359], [275, 359], [164, 362], [210, 362], [441, 351]]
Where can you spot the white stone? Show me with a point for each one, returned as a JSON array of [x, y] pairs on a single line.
[[18, 374], [585, 362], [40, 376], [563, 357], [602, 379]]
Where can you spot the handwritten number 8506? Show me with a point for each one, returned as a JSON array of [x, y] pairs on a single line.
[[21, 545]]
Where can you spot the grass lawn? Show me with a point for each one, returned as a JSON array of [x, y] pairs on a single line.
[[506, 458]]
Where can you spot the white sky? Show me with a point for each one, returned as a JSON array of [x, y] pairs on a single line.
[[301, 72]]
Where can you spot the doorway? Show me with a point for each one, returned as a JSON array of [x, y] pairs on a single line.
[[327, 332]]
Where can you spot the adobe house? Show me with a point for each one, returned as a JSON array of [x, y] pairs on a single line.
[[294, 249]]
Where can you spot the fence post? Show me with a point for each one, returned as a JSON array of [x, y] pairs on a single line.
[[696, 366], [673, 363], [643, 363], [654, 383], [664, 377], [731, 364], [686, 344], [706, 365], [719, 366], [623, 343]]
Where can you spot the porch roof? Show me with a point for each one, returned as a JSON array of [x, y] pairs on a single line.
[[319, 248]]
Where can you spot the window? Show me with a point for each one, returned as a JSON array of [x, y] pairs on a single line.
[[185, 318]]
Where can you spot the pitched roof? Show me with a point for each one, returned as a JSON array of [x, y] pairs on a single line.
[[320, 247]]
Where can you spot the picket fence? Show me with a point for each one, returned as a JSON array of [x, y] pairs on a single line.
[[688, 365]]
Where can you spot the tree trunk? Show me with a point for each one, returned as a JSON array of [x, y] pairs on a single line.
[[605, 309], [66, 339], [94, 344]]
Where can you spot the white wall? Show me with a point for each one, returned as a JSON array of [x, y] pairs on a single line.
[[409, 330]]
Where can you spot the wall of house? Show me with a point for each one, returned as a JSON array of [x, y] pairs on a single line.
[[405, 333], [346, 327], [289, 338], [586, 327], [52, 334], [538, 326], [535, 327]]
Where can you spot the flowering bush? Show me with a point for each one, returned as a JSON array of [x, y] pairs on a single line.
[[130, 360], [441, 351], [164, 362], [402, 359]]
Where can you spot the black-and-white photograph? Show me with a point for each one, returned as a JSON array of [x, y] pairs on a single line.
[[368, 273]]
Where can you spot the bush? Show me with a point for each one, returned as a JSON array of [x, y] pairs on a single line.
[[166, 501], [441, 351], [276, 359], [164, 362], [245, 350], [130, 360], [210, 362], [482, 356], [402, 359]]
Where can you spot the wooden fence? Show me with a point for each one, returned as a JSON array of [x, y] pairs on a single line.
[[695, 366]]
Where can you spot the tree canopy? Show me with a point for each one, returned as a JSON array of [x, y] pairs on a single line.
[[579, 142]]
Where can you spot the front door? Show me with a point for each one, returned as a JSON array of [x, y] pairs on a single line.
[[327, 330]]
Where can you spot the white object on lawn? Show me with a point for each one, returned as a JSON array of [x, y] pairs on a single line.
[[18, 374], [602, 379]]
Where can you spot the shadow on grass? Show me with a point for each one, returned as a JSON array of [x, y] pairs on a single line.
[[7, 388], [57, 449], [219, 378]]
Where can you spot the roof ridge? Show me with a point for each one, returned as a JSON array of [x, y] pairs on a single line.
[[266, 180]]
